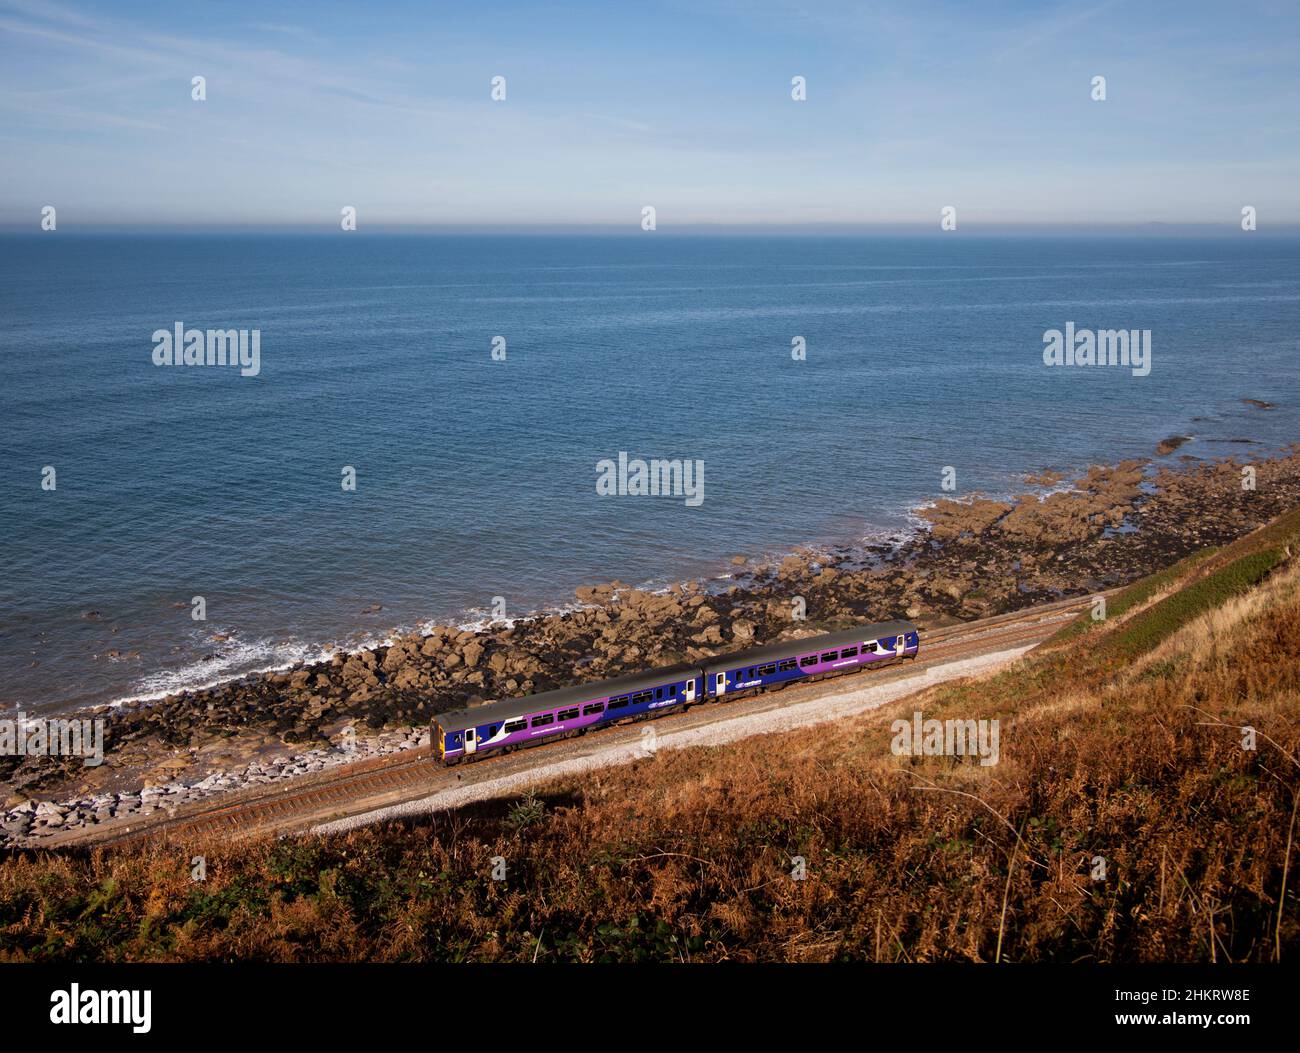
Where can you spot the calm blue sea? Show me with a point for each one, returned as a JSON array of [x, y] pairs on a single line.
[[476, 478]]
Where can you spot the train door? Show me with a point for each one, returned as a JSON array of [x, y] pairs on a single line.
[[471, 740], [900, 645], [690, 690], [721, 684]]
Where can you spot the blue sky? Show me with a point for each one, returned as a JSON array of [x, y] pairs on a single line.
[[683, 106]]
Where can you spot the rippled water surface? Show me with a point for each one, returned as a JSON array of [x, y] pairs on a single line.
[[476, 478]]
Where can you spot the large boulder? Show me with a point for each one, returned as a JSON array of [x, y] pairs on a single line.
[[742, 631]]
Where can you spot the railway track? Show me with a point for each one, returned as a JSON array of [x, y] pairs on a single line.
[[300, 803]]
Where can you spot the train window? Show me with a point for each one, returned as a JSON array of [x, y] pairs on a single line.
[[672, 690], [618, 703], [848, 652], [515, 725], [492, 730], [642, 696], [767, 670], [659, 693], [808, 659], [595, 707], [568, 714], [787, 665], [830, 656], [543, 720]]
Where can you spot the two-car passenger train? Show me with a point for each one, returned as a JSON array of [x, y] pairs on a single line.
[[508, 725]]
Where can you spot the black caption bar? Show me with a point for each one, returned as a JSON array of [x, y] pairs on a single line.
[[169, 1002]]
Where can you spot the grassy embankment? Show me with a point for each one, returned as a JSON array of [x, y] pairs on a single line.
[[1120, 748]]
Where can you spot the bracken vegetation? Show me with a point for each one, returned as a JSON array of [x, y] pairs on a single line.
[[1126, 821]]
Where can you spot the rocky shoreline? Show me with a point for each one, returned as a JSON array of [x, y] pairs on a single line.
[[974, 557], [32, 820]]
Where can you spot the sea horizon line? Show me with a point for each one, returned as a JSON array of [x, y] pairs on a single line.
[[329, 227]]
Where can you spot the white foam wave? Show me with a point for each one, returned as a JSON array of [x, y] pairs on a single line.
[[231, 659]]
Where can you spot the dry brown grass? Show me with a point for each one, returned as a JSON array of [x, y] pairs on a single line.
[[688, 855], [1217, 633]]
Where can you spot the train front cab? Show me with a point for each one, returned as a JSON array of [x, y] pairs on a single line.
[[906, 644], [456, 743]]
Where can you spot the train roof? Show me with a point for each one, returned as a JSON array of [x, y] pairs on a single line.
[[508, 709], [789, 648]]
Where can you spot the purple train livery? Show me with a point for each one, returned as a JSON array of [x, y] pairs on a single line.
[[508, 725]]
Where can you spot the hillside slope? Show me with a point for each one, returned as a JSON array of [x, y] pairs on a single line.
[[1124, 820]]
